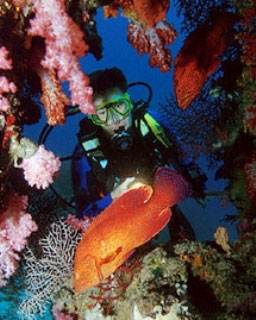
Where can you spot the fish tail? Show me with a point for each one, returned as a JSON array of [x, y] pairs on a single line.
[[170, 187]]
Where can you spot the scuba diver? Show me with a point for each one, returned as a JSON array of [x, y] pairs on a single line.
[[122, 144]]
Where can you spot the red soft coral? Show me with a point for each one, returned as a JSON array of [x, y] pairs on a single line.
[[250, 171], [5, 85], [153, 41]]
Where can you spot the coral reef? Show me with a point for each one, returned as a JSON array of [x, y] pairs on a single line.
[[40, 168], [40, 43], [247, 36], [195, 13], [147, 12], [148, 31], [221, 238], [16, 226], [152, 285], [153, 41], [250, 171], [57, 257], [207, 126], [230, 275], [63, 45]]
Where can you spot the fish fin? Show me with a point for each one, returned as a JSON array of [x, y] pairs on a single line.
[[111, 256], [134, 197], [125, 257], [98, 268], [161, 220], [212, 67], [111, 266]]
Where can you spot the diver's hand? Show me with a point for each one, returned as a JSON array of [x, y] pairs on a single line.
[[121, 188]]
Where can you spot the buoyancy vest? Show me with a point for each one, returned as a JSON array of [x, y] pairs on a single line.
[[110, 165]]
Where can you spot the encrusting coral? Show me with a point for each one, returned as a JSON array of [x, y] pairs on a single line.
[[152, 285], [231, 277], [247, 37]]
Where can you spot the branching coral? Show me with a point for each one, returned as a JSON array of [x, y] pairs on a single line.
[[44, 276], [148, 31], [196, 12], [198, 128], [147, 12], [153, 41]]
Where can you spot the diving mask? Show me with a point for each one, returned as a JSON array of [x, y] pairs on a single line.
[[118, 107]]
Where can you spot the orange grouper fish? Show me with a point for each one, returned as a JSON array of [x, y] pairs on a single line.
[[199, 56], [130, 221]]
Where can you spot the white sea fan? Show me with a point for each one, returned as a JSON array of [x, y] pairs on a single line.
[[45, 276]]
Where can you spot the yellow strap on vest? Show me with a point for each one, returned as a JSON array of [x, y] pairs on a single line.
[[156, 129]]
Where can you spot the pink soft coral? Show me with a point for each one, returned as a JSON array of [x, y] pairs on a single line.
[[15, 227], [40, 169], [64, 44], [8, 260], [4, 62], [58, 315], [79, 224], [5, 85]]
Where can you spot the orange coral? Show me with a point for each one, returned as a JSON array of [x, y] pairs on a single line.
[[151, 11], [110, 11], [221, 237], [54, 99], [148, 11], [153, 41], [148, 31]]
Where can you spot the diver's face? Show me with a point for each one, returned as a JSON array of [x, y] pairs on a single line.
[[115, 118]]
